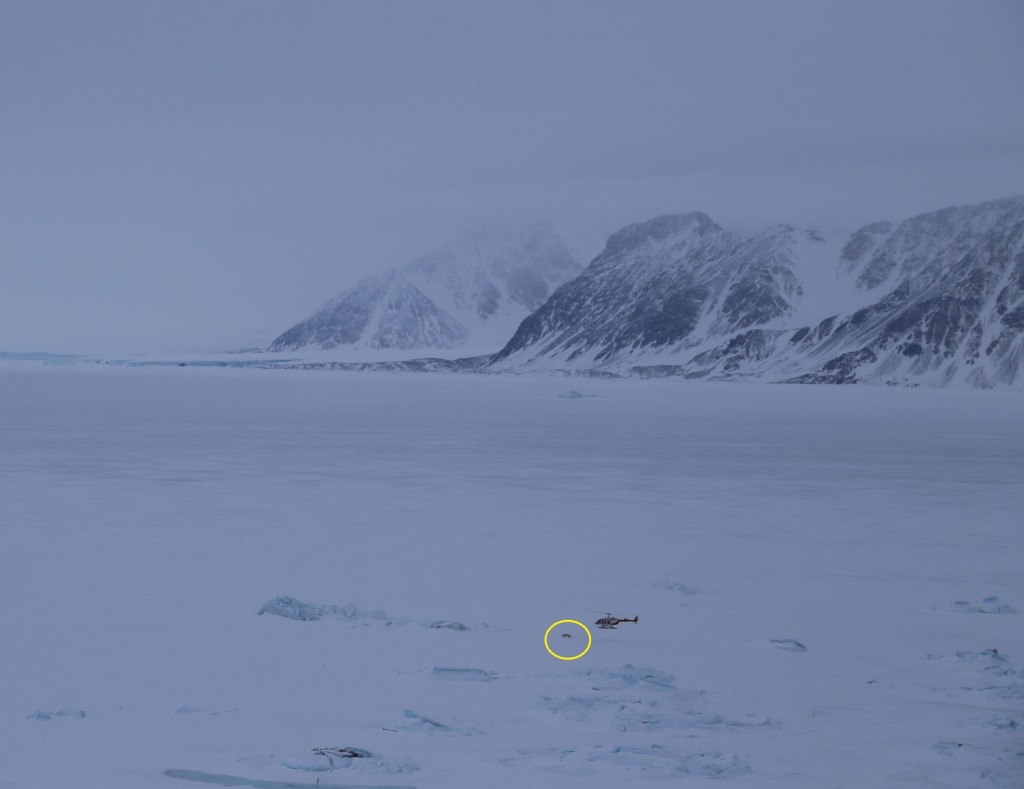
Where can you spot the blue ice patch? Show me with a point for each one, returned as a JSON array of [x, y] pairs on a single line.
[[421, 723], [1006, 724], [988, 605], [627, 677], [674, 586], [64, 712], [444, 624], [789, 644], [237, 780], [291, 608], [472, 674]]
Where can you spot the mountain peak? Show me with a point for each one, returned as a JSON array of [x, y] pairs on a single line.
[[660, 229]]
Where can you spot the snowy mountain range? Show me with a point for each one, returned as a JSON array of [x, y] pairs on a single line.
[[472, 294], [937, 299]]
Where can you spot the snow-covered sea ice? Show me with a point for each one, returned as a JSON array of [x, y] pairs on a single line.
[[381, 519]]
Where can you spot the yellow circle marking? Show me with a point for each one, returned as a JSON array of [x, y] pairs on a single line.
[[562, 657]]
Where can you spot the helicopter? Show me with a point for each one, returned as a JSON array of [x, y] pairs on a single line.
[[608, 622]]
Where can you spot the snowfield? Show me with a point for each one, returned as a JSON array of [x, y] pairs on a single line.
[[285, 578]]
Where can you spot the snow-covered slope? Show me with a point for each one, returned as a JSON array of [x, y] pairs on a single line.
[[946, 306], [379, 312], [471, 294], [936, 299], [670, 283]]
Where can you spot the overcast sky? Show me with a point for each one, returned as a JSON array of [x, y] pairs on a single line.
[[201, 175]]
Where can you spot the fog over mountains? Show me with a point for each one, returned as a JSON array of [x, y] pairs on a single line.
[[935, 300], [471, 294]]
